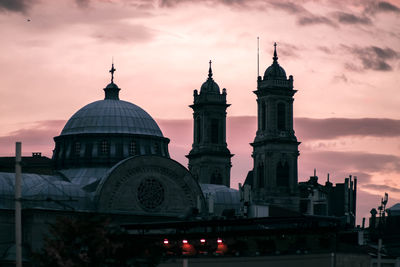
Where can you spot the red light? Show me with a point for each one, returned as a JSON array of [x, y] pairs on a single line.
[[202, 240], [219, 240], [166, 242], [184, 241]]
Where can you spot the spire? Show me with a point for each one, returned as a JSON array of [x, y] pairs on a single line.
[[112, 70], [210, 74], [112, 90], [275, 58]]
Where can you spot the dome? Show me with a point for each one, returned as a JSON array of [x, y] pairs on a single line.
[[275, 71], [210, 86], [111, 116]]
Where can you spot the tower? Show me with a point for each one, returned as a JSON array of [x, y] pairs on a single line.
[[275, 147], [210, 158]]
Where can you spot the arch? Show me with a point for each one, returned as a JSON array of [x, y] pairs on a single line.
[[214, 131], [198, 129], [281, 116], [260, 175], [216, 178], [282, 174], [263, 116]]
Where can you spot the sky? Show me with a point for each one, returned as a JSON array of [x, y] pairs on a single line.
[[344, 56]]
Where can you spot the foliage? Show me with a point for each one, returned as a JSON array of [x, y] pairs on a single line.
[[92, 241]]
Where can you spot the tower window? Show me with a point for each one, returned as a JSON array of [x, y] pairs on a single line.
[[282, 174], [281, 117], [216, 178], [156, 148], [260, 175], [132, 148], [105, 147], [263, 115], [214, 131], [77, 149], [198, 129]]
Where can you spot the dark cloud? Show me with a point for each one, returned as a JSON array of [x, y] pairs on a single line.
[[332, 128], [352, 161], [38, 137], [313, 19], [123, 33], [372, 57], [347, 18], [382, 187], [340, 78], [289, 7], [82, 3], [387, 7], [372, 7], [15, 5]]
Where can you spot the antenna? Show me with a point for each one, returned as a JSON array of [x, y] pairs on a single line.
[[258, 57]]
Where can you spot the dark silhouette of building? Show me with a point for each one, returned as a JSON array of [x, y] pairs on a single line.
[[275, 147], [210, 158]]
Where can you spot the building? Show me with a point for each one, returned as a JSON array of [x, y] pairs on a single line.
[[112, 158]]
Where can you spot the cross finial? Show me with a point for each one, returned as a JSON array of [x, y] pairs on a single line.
[[275, 58], [112, 70], [210, 74]]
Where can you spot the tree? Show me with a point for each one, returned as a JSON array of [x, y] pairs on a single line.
[[92, 241]]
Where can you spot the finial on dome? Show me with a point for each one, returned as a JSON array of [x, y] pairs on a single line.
[[210, 74], [275, 58], [112, 70]]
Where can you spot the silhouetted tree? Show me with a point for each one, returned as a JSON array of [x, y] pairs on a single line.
[[92, 241]]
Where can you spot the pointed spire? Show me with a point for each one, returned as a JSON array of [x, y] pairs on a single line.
[[210, 74], [275, 58], [112, 70]]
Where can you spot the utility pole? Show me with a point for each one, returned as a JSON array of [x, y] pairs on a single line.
[[18, 226]]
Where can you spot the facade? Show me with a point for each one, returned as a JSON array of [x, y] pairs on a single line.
[[112, 158]]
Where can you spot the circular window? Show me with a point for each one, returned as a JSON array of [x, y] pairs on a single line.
[[150, 193]]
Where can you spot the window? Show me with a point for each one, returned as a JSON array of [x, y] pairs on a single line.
[[281, 117], [214, 131], [132, 148], [156, 148], [216, 178], [263, 115], [260, 175], [77, 149], [105, 147], [282, 174], [198, 129]]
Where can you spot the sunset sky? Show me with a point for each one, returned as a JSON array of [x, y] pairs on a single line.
[[344, 56]]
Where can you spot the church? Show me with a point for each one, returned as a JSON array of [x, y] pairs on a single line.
[[112, 158]]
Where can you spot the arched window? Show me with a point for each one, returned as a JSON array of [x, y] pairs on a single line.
[[198, 130], [216, 178], [132, 148], [77, 149], [156, 148], [282, 174], [214, 131], [105, 147], [281, 120], [263, 116], [260, 175]]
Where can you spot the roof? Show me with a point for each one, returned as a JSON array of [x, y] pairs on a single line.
[[111, 116]]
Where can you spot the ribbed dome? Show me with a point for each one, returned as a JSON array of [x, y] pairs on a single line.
[[210, 86], [111, 116], [275, 71]]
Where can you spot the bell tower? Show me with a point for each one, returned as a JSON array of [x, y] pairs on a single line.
[[275, 147], [210, 158]]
